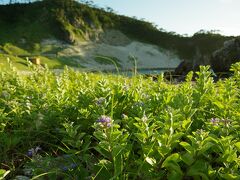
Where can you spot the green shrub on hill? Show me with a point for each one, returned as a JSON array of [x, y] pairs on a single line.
[[14, 50]]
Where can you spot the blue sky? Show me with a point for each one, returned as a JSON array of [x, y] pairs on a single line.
[[182, 16]]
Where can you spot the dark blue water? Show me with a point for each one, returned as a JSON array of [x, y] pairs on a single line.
[[156, 71]]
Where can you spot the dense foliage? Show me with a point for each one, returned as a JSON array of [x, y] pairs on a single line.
[[81, 125]]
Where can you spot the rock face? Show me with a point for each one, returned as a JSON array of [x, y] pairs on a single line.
[[223, 58], [183, 68], [220, 60]]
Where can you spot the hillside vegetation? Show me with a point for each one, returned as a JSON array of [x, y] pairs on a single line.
[[93, 126], [25, 26]]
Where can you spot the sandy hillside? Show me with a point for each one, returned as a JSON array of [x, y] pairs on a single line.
[[114, 44]]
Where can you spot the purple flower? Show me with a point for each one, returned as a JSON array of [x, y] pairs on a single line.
[[66, 156], [105, 121], [33, 151], [215, 121], [73, 165], [30, 152], [64, 168], [100, 101], [68, 167]]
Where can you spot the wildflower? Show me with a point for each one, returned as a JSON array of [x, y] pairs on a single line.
[[146, 96], [124, 116], [5, 95], [64, 168], [69, 167], [215, 121], [199, 131], [100, 101], [125, 87], [226, 122], [139, 104], [38, 148], [33, 151], [105, 121], [30, 152], [73, 165], [144, 118], [29, 97], [66, 156], [28, 105], [40, 116]]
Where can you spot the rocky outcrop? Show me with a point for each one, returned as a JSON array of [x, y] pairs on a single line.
[[190, 65], [183, 68], [220, 60], [223, 58]]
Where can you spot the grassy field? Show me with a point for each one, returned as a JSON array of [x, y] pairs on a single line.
[[93, 126]]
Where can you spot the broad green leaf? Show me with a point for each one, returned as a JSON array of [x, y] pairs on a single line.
[[174, 157], [232, 156], [186, 123], [205, 147], [229, 176], [219, 104], [103, 152], [117, 149], [150, 161], [141, 137], [173, 166], [118, 165], [199, 168], [211, 138], [3, 174], [103, 169], [163, 150], [238, 146], [176, 137], [187, 147], [173, 175], [171, 163], [187, 158]]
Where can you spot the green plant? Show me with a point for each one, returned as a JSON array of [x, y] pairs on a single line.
[[102, 126]]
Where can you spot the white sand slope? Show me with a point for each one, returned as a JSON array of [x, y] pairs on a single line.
[[148, 56]]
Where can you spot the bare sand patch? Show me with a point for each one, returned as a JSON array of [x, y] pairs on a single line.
[[115, 44]]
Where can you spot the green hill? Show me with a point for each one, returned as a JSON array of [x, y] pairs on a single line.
[[24, 27]]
